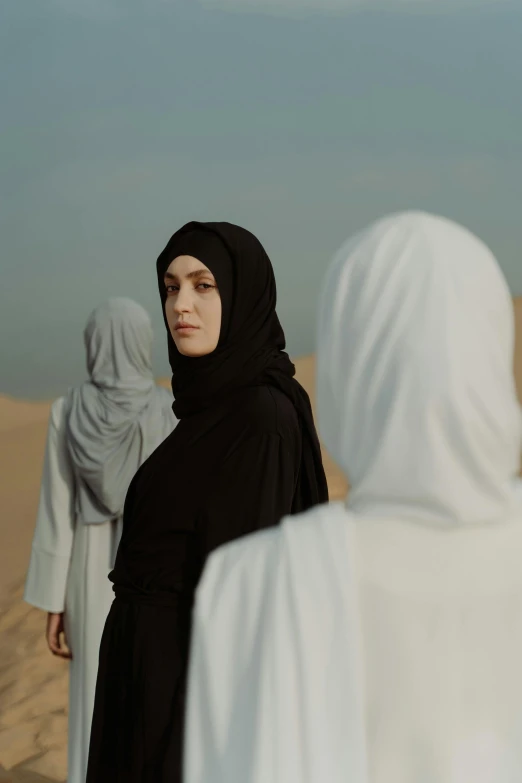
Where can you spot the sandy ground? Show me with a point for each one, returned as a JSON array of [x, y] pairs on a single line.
[[33, 684]]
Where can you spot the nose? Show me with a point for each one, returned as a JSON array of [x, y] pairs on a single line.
[[183, 301]]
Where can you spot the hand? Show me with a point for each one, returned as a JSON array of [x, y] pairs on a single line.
[[55, 630]]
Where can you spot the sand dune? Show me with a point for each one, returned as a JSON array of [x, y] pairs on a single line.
[[33, 684], [21, 455], [15, 413]]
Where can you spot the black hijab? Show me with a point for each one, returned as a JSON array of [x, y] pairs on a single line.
[[250, 351]]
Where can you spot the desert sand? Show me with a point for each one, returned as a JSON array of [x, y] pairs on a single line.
[[33, 684]]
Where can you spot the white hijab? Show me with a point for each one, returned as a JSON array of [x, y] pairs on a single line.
[[416, 392], [119, 416], [381, 643]]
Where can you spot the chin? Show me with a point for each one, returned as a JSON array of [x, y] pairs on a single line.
[[193, 350]]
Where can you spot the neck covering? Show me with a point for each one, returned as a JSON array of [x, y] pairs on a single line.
[[416, 391], [117, 418], [251, 344]]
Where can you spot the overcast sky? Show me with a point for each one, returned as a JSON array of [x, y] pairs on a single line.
[[303, 121]]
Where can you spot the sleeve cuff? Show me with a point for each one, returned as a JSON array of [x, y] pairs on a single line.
[[46, 581]]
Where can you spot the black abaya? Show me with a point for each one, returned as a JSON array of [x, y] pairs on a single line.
[[238, 479], [244, 454]]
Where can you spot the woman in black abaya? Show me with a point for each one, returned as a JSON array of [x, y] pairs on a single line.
[[244, 454]]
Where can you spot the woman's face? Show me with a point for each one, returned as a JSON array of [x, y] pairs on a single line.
[[193, 306]]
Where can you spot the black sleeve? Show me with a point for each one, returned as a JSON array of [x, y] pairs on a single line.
[[254, 490]]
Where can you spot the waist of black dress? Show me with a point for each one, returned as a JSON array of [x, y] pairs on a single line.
[[135, 595]]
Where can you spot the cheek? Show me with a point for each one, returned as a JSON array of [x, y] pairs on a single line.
[[213, 329], [215, 319], [210, 314], [169, 312]]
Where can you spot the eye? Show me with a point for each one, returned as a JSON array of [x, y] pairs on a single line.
[[206, 286], [171, 289]]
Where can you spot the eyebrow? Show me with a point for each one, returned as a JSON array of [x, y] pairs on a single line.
[[191, 275]]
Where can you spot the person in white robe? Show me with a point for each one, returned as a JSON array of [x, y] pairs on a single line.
[[379, 640], [98, 436]]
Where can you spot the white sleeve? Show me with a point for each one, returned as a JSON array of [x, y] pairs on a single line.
[[201, 754], [53, 537], [222, 684]]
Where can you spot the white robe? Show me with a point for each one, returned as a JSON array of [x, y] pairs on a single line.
[[70, 562], [359, 651]]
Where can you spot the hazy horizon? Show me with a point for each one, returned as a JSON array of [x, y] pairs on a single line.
[[122, 121]]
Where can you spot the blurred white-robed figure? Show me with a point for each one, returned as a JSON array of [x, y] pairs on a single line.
[[380, 640], [98, 436]]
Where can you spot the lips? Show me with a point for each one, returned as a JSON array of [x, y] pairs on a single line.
[[184, 327]]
